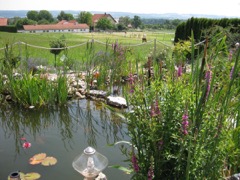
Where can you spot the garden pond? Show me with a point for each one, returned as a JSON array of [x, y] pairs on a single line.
[[60, 132]]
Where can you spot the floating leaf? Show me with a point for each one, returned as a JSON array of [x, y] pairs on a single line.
[[49, 161], [40, 156], [32, 176], [37, 159], [33, 161]]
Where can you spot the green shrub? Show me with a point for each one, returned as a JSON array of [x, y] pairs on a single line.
[[10, 29]]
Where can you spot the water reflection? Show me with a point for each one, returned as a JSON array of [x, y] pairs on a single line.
[[75, 126], [91, 117]]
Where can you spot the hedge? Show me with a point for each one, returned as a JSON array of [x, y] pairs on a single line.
[[11, 29]]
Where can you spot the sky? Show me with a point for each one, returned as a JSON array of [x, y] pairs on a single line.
[[209, 7]]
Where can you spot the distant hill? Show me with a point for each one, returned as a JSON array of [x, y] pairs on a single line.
[[23, 13]]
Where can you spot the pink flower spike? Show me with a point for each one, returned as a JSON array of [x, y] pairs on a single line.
[[23, 139], [179, 71], [27, 145]]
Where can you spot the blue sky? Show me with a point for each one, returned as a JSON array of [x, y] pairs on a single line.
[[210, 7]]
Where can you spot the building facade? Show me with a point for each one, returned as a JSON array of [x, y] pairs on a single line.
[[62, 26]]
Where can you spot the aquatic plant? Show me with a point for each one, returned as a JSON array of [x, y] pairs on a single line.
[[198, 115]]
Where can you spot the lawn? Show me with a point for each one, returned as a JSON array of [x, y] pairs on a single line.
[[77, 53]]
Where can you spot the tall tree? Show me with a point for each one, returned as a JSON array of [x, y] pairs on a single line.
[[65, 16], [124, 20], [33, 15], [13, 21], [85, 17], [136, 22], [44, 14], [104, 24], [24, 21]]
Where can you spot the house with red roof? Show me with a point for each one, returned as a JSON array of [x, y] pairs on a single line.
[[62, 26], [97, 17], [3, 21]]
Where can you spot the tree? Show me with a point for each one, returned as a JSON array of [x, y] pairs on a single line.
[[124, 20], [33, 15], [43, 21], [136, 22], [24, 21], [44, 14], [60, 43], [13, 21], [121, 27], [104, 24], [85, 17], [65, 16]]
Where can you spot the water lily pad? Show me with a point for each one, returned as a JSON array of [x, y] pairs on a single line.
[[49, 161], [32, 176], [33, 161], [37, 159], [40, 156]]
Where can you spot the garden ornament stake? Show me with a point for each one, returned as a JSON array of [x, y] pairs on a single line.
[[90, 163]]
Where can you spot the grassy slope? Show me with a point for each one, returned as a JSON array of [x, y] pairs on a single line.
[[78, 53]]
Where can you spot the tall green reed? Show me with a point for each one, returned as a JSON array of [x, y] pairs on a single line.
[[179, 125]]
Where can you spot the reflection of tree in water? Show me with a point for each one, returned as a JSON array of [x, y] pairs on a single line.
[[21, 122], [88, 116], [96, 120]]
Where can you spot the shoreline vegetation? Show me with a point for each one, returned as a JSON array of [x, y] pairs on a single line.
[[33, 76]]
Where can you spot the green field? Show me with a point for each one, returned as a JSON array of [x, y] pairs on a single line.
[[77, 47]]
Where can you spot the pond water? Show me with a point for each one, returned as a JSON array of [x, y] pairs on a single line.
[[61, 132]]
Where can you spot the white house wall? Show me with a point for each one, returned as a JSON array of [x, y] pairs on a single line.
[[59, 30]]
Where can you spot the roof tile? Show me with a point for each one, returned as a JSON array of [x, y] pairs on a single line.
[[3, 21], [55, 26]]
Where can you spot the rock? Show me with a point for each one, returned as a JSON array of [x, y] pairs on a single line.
[[97, 93], [82, 84], [79, 95], [71, 90], [8, 98], [52, 77], [117, 101], [82, 91], [44, 76]]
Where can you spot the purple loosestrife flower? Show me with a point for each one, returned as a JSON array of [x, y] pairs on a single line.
[[185, 124], [135, 163], [150, 173], [131, 81], [155, 111], [208, 77], [231, 72], [179, 71]]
